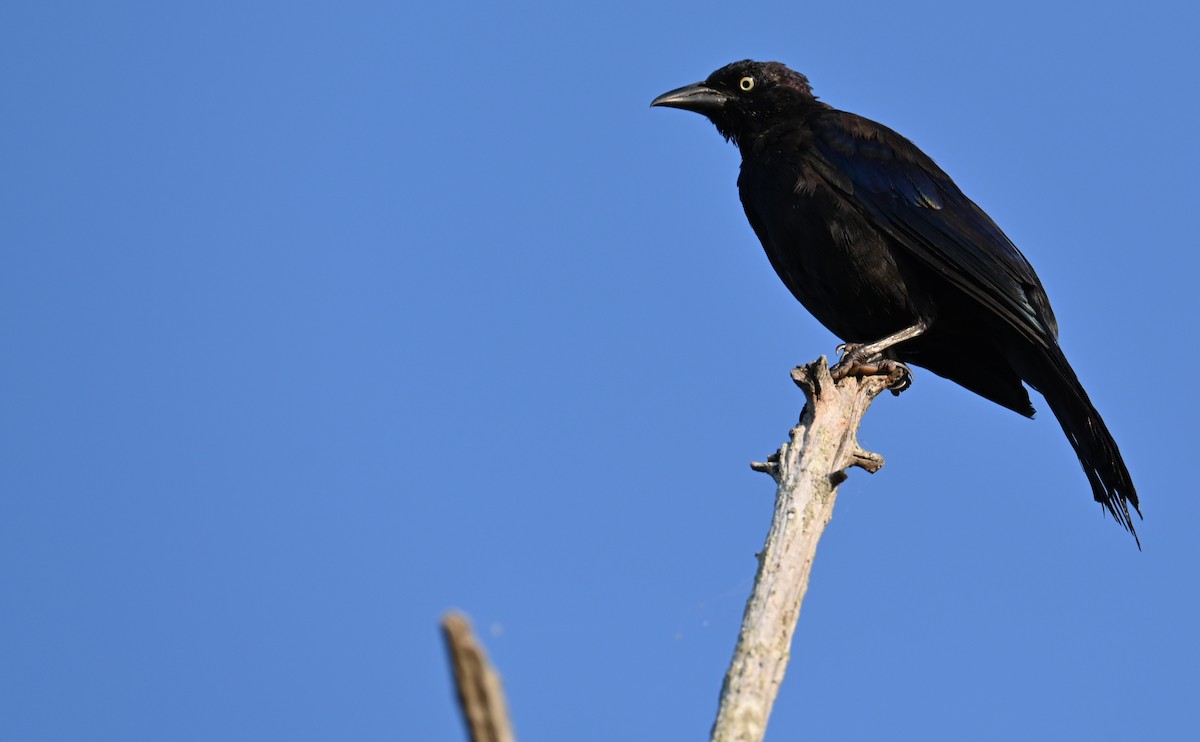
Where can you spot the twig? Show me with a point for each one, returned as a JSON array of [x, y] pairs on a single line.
[[808, 470], [480, 693]]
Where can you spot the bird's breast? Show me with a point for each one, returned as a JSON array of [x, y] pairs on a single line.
[[840, 267]]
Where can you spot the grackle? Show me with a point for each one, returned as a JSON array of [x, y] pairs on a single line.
[[881, 247]]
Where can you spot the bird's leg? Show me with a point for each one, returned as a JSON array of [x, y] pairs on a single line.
[[868, 360], [855, 352]]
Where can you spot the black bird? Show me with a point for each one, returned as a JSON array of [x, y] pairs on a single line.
[[884, 250]]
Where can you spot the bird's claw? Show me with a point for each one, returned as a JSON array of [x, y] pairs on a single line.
[[845, 348], [900, 375], [850, 361]]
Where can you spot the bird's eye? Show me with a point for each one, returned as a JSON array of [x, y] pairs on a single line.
[[746, 84]]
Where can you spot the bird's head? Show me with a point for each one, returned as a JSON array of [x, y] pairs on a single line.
[[744, 97]]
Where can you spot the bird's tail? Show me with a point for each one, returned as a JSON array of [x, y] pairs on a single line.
[[1048, 372]]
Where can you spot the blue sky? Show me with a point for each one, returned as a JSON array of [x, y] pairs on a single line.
[[318, 321]]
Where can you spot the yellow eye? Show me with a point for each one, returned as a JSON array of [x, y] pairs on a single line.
[[746, 84]]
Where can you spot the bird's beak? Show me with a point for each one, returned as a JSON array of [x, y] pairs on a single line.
[[699, 98]]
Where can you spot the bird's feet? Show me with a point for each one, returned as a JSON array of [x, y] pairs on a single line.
[[855, 361], [845, 348]]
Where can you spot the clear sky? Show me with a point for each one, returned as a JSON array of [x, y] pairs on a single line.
[[319, 320]]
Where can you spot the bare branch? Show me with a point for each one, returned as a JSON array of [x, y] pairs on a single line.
[[808, 470], [480, 692]]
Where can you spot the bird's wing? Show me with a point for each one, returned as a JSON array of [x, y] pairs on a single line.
[[909, 197]]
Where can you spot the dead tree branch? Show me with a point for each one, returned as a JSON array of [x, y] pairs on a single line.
[[808, 470], [480, 693]]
